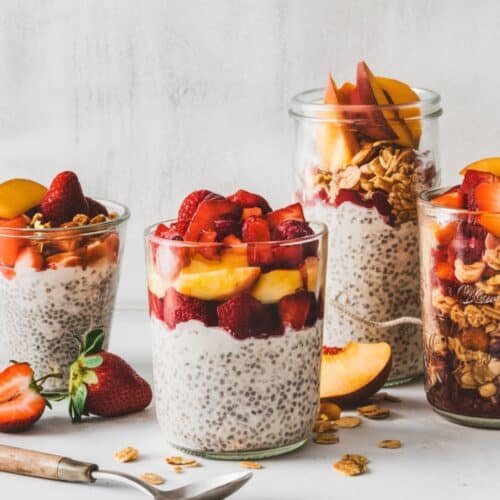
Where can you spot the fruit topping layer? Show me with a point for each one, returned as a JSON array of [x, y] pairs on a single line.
[[463, 351], [256, 275], [368, 150], [25, 204]]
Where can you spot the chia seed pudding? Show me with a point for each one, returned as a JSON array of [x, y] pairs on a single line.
[[217, 393], [42, 311]]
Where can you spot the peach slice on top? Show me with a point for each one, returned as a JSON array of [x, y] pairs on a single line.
[[490, 165], [17, 196], [337, 143], [487, 197], [383, 124], [355, 372]]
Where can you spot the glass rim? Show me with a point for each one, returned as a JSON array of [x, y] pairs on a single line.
[[150, 237], [308, 105], [83, 230], [425, 200]]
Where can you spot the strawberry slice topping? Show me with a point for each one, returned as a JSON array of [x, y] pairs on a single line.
[[291, 212], [95, 208], [21, 403], [190, 204], [179, 308], [298, 310], [256, 229], [242, 316], [472, 179], [250, 200], [64, 199]]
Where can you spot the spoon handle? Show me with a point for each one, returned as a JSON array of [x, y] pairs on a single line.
[[44, 465]]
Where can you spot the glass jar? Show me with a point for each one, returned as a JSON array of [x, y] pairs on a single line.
[[236, 345], [460, 264], [359, 169], [55, 284]]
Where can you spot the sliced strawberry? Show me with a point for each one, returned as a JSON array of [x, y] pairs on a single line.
[[471, 180], [210, 209], [209, 252], [378, 201], [175, 231], [298, 310], [291, 229], [242, 316], [170, 259], [65, 259], [454, 198], [179, 308], [21, 404], [10, 246], [231, 240], [190, 204], [95, 208], [468, 243], [291, 212], [249, 200], [155, 305], [254, 211], [255, 230], [29, 258], [64, 199], [225, 227], [271, 322]]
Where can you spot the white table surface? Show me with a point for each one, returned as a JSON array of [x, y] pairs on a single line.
[[438, 459]]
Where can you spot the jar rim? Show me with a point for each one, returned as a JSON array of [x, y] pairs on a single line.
[[320, 230], [309, 105]]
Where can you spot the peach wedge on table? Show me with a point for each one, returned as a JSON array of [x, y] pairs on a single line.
[[381, 124], [337, 143], [221, 284]]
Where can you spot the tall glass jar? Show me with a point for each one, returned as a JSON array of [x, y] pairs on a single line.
[[460, 259], [359, 169]]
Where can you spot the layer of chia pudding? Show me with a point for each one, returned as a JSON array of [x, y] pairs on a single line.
[[42, 311], [373, 272], [215, 392]]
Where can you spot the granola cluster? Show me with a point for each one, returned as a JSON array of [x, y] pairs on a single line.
[[384, 167]]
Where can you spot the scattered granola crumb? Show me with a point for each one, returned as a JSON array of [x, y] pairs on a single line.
[[178, 469], [251, 465], [389, 443], [128, 454], [328, 437], [186, 462], [152, 478], [348, 422], [351, 465], [374, 412]]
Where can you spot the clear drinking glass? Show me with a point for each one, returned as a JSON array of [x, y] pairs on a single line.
[[460, 264], [236, 344], [55, 284], [359, 169]]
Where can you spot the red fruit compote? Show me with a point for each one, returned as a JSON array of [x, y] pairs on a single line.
[[460, 262], [236, 301]]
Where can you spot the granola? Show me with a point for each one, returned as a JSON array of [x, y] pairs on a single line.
[[351, 465], [152, 478], [128, 454]]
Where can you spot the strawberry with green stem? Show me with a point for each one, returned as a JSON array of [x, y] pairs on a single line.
[[103, 384]]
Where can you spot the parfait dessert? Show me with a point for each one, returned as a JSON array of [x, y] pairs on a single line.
[[460, 254], [235, 297], [363, 153], [59, 255]]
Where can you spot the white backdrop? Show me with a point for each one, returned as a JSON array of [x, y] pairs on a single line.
[[148, 100]]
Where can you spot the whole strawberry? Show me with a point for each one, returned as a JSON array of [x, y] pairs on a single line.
[[103, 384], [64, 199]]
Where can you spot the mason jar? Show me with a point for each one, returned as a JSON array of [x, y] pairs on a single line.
[[460, 264], [236, 342], [359, 169]]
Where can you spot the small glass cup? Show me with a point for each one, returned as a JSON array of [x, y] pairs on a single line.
[[460, 266], [359, 169], [55, 284], [236, 344]]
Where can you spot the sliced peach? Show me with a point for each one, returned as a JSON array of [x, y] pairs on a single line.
[[354, 373], [17, 196], [451, 199], [9, 245], [66, 259], [346, 92], [218, 285], [157, 284], [401, 93], [96, 251], [490, 222], [337, 144], [487, 197], [29, 258], [385, 123], [445, 234], [490, 165], [445, 271], [309, 272], [274, 285], [228, 259], [112, 241]]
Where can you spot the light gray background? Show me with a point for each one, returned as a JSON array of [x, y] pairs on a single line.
[[148, 100]]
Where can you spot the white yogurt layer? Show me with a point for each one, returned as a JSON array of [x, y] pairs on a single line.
[[215, 393], [42, 311], [373, 271]]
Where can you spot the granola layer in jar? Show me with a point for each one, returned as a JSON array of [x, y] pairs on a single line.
[[363, 154], [460, 252]]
